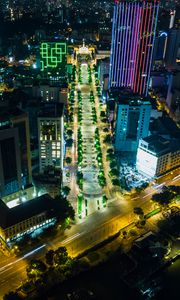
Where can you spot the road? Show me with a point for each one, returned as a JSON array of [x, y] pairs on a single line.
[[95, 227], [80, 236]]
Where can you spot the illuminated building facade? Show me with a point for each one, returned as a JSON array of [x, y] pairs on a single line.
[[53, 60], [51, 142], [26, 218], [133, 35], [130, 119], [157, 155]]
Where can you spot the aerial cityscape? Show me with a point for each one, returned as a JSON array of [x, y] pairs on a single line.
[[89, 149]]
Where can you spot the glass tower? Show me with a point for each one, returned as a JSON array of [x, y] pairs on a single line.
[[133, 36]]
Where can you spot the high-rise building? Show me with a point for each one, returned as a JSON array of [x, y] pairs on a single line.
[[160, 47], [51, 141], [49, 93], [133, 35], [131, 120], [10, 163], [15, 158], [172, 58], [103, 69]]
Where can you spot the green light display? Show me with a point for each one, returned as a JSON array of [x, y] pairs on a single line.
[[53, 55]]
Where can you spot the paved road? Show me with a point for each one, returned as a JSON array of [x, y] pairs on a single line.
[[82, 235]]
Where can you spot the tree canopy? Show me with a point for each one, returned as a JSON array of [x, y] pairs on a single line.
[[138, 211], [163, 198], [64, 209], [12, 296]]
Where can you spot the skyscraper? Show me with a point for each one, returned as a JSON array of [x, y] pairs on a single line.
[[133, 35], [172, 58], [15, 158], [131, 119], [51, 142]]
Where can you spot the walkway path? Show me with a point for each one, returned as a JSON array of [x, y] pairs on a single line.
[[91, 189]]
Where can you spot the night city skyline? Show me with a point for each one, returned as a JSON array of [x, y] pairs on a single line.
[[89, 149]]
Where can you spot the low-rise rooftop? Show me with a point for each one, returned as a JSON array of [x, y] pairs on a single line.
[[160, 145], [26, 210], [127, 96], [51, 110]]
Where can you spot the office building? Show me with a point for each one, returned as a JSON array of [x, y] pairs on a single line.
[[51, 139], [15, 158], [133, 35], [50, 93], [10, 162], [172, 58], [160, 47], [131, 120], [103, 69], [157, 155]]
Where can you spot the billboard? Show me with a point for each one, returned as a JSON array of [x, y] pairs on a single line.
[[53, 57]]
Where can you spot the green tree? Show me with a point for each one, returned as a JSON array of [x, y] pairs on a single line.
[[35, 269], [66, 190], [164, 198], [79, 175], [110, 150], [116, 181], [50, 257], [64, 209], [107, 139], [69, 142], [106, 129], [12, 296], [68, 160], [61, 256], [69, 132], [113, 164], [110, 156], [103, 114], [114, 172], [174, 189], [139, 211]]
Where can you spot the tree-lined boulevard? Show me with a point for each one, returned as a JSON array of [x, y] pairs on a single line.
[[95, 222]]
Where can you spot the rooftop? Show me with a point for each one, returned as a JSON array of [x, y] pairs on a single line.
[[26, 210], [127, 96], [7, 114], [160, 145], [164, 126], [51, 110]]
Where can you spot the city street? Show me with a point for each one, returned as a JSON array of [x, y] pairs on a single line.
[[89, 149], [97, 223], [81, 236]]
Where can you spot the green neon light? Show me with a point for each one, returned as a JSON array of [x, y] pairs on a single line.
[[52, 55]]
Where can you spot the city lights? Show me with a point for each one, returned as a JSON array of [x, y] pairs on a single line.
[[89, 149]]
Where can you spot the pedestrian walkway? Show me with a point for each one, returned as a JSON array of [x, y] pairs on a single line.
[[91, 189]]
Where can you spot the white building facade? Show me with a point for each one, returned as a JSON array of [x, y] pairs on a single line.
[[157, 155], [50, 142]]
